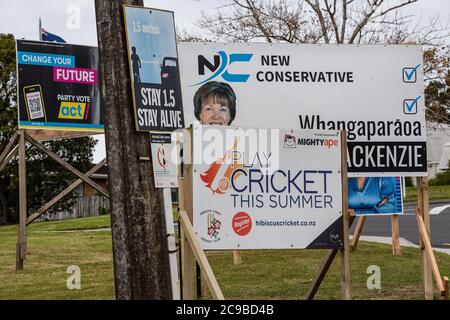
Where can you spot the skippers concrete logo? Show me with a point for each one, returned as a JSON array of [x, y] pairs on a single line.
[[218, 176], [242, 224], [219, 67], [74, 110]]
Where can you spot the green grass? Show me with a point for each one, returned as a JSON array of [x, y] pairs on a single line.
[[436, 193], [268, 274]]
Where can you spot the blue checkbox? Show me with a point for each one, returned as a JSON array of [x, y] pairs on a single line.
[[410, 74], [410, 105]]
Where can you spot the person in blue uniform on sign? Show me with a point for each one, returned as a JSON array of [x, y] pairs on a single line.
[[374, 195]]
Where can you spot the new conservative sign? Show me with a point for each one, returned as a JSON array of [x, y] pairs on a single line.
[[58, 87], [373, 92], [155, 77], [266, 189]]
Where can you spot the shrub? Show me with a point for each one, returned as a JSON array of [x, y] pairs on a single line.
[[442, 179], [409, 182], [102, 211]]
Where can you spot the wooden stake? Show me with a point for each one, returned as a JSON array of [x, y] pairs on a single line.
[[201, 258], [429, 252], [187, 256], [345, 253], [423, 205], [21, 248], [396, 250], [358, 232], [237, 259]]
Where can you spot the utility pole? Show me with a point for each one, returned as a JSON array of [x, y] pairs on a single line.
[[140, 250]]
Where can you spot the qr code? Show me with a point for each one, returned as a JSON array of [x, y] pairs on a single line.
[[35, 105]]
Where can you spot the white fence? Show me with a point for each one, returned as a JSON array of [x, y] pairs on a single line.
[[82, 208]]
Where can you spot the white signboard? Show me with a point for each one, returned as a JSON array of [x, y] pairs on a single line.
[[374, 92], [266, 189], [164, 167]]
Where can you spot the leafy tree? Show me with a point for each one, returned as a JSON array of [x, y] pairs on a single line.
[[437, 92], [45, 178]]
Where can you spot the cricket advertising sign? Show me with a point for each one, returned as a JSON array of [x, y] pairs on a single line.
[[373, 92], [165, 169], [155, 76], [58, 87], [266, 188]]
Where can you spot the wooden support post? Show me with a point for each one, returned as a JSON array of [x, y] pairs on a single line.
[[63, 193], [200, 256], [345, 252], [187, 256], [429, 252], [358, 232], [423, 205], [396, 250], [21, 248], [237, 259]]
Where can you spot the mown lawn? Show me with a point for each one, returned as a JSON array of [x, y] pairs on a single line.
[[436, 193], [269, 274]]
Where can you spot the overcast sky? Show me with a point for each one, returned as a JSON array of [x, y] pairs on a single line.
[[21, 18]]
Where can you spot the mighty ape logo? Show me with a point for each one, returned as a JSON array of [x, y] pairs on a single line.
[[217, 177], [219, 67], [74, 110], [326, 143]]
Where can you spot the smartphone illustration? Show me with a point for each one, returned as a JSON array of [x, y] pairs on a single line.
[[35, 103]]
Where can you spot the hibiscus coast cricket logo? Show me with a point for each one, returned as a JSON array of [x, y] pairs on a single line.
[[217, 177], [213, 225]]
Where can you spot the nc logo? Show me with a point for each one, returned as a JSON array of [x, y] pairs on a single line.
[[220, 65]]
